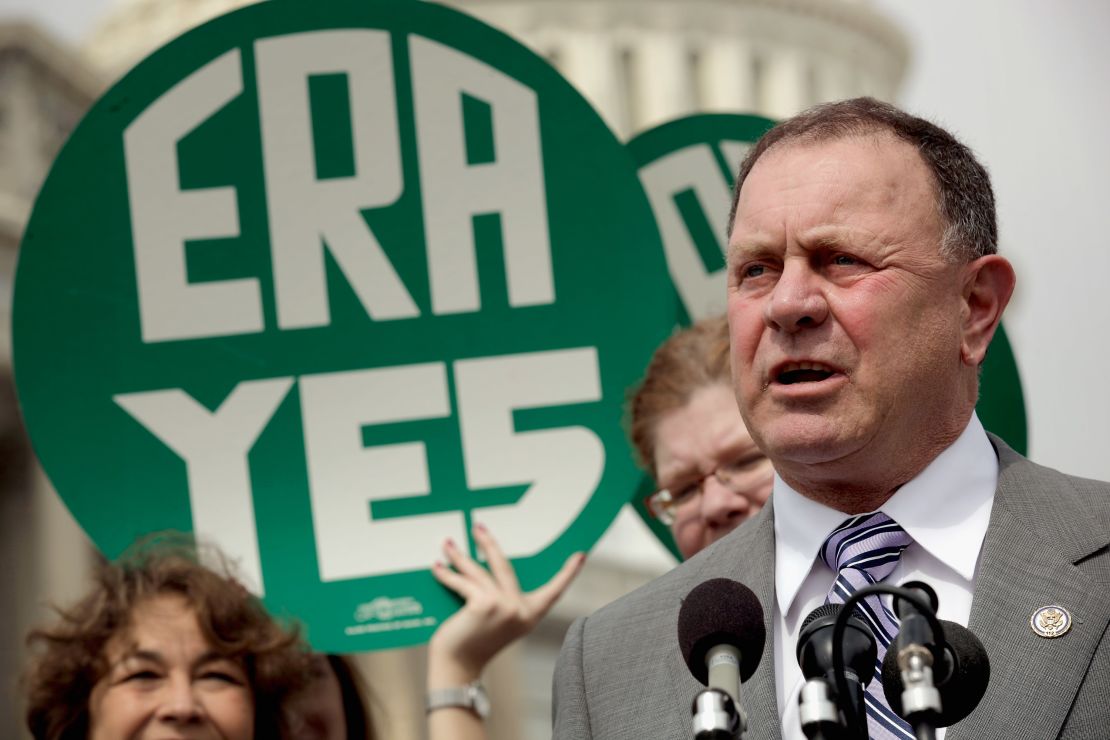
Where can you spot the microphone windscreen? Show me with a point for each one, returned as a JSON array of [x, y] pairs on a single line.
[[815, 645], [962, 681], [716, 612], [825, 610]]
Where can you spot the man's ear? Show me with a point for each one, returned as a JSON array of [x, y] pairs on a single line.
[[987, 287]]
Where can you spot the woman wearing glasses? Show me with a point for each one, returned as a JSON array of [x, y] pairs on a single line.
[[689, 436]]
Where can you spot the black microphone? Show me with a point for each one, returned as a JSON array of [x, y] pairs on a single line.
[[820, 708], [721, 636], [918, 649], [962, 675]]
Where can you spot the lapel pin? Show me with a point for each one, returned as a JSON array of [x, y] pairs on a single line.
[[1050, 621]]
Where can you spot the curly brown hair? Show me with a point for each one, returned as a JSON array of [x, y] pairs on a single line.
[[690, 359], [71, 655]]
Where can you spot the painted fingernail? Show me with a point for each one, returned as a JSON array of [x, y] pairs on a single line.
[[448, 544], [479, 527]]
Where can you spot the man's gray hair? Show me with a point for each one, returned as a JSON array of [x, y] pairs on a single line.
[[965, 199]]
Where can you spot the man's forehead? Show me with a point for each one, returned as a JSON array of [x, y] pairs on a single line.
[[803, 158], [877, 172]]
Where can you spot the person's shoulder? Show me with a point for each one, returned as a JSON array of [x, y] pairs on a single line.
[[1014, 465], [1041, 487], [648, 602], [658, 601]]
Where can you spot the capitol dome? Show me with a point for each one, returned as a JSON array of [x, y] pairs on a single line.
[[640, 62]]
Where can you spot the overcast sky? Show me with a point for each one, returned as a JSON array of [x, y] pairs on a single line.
[[1024, 83]]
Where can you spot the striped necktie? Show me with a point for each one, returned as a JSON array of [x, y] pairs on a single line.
[[862, 551]]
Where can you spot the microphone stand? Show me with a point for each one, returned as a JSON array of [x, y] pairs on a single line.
[[818, 712], [920, 698], [718, 714], [915, 669]]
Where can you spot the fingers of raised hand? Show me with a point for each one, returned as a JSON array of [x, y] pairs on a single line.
[[458, 583], [494, 596], [461, 561], [499, 565], [543, 598]]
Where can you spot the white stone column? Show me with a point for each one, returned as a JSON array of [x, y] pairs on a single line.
[[63, 553], [22, 155], [834, 80], [663, 79], [868, 83], [589, 60], [784, 86], [726, 71]]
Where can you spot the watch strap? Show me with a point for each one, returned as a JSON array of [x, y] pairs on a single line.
[[471, 696]]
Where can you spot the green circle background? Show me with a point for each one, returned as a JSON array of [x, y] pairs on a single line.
[[77, 342], [1001, 405]]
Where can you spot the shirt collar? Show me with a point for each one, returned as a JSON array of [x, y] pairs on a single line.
[[946, 509]]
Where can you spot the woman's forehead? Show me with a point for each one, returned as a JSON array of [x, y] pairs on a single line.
[[707, 426], [154, 621]]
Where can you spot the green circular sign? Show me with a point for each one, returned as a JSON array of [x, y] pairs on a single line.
[[323, 283], [688, 167]]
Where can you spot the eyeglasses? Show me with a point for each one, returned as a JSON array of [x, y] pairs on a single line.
[[739, 476]]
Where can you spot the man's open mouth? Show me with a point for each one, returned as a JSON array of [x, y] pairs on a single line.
[[803, 372]]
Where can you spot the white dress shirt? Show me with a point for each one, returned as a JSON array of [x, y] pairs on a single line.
[[946, 509]]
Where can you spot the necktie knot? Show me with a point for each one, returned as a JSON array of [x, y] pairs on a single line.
[[868, 543]]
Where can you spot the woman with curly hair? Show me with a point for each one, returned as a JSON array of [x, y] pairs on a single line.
[[163, 646]]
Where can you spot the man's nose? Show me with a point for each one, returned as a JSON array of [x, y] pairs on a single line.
[[180, 704], [721, 506], [796, 302]]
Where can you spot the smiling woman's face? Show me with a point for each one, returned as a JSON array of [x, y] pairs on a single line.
[[164, 680]]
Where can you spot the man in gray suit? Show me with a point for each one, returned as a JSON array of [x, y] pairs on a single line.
[[864, 290]]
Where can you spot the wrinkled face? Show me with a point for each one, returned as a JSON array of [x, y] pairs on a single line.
[[316, 712], [845, 322], [164, 682], [690, 444]]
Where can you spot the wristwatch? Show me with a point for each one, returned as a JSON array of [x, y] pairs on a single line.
[[472, 696]]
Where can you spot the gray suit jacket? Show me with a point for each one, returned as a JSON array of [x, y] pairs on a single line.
[[620, 674]]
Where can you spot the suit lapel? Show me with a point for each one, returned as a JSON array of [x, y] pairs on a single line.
[[1027, 563], [748, 556]]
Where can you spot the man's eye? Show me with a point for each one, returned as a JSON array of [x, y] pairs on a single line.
[[844, 260], [753, 271]]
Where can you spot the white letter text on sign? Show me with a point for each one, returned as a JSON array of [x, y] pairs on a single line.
[[306, 213], [164, 217], [344, 476], [702, 291], [419, 230], [214, 446], [563, 466], [455, 191]]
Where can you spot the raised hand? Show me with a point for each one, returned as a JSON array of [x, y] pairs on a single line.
[[495, 614]]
